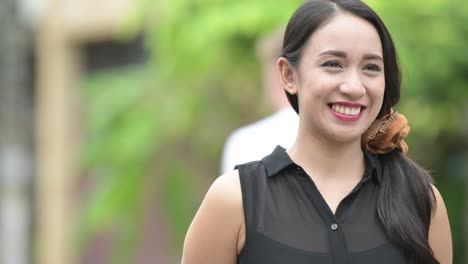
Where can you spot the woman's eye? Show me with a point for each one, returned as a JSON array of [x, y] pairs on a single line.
[[372, 67], [333, 64]]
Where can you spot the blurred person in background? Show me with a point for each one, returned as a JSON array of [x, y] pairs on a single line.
[[256, 140], [345, 191]]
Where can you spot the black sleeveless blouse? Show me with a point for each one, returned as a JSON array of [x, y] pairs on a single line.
[[288, 221]]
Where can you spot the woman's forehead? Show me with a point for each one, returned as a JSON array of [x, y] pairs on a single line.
[[345, 32]]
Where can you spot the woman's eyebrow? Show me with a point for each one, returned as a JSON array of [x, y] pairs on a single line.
[[372, 56], [342, 54], [337, 53]]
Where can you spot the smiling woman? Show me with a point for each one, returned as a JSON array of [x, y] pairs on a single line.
[[344, 192]]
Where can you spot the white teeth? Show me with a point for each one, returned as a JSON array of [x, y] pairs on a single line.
[[346, 110]]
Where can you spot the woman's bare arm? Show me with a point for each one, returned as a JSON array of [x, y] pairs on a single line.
[[212, 237], [440, 238]]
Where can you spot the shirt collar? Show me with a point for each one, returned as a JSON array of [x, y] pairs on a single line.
[[279, 160]]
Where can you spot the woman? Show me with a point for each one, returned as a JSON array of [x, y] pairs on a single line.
[[344, 192]]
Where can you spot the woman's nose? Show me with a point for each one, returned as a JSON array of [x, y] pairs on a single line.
[[352, 86]]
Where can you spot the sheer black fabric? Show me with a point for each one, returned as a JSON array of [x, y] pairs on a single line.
[[288, 221]]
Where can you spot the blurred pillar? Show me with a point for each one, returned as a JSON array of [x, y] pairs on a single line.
[[55, 65], [15, 138], [62, 28]]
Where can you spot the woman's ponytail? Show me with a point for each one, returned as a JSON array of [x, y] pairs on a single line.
[[406, 199], [405, 205]]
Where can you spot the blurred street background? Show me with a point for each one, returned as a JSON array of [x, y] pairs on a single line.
[[113, 115]]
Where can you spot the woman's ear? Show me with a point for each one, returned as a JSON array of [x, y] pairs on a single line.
[[287, 75]]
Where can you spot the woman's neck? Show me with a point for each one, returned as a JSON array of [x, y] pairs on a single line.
[[327, 158]]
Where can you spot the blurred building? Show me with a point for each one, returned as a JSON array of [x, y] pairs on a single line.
[[46, 47]]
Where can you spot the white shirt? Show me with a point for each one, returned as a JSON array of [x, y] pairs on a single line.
[[257, 140]]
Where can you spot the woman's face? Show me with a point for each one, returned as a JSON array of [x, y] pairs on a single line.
[[340, 79]]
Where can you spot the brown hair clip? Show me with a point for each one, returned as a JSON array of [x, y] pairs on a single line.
[[386, 134]]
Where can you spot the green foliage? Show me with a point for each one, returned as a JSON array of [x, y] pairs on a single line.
[[168, 119], [121, 124], [178, 194]]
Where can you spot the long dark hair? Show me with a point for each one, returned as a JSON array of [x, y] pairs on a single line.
[[406, 200]]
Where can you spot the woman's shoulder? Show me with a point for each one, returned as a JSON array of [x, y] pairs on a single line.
[[439, 204], [226, 189]]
